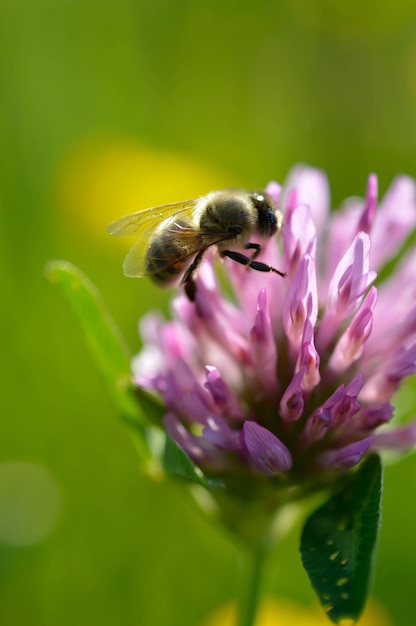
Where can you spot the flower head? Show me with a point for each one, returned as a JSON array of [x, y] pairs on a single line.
[[288, 380]]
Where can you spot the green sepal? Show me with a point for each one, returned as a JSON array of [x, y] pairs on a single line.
[[106, 343], [177, 463], [338, 543]]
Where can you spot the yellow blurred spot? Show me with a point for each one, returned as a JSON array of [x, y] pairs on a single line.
[[102, 180], [286, 613]]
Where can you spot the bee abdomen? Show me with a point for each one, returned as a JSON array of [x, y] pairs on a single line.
[[167, 256]]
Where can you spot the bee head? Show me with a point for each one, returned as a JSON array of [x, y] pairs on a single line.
[[267, 223]]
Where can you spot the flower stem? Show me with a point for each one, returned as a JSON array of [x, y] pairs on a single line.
[[252, 568]]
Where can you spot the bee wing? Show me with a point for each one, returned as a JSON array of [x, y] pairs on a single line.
[[136, 262], [144, 223]]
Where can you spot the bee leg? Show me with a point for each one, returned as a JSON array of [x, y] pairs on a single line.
[[188, 280], [190, 289], [257, 249], [249, 262]]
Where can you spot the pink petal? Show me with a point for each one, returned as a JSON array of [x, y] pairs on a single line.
[[350, 281], [350, 346], [301, 302], [185, 440], [374, 416], [309, 359], [354, 216], [367, 218], [348, 405], [348, 456], [312, 188], [385, 382], [317, 426], [266, 452], [400, 439], [222, 395], [320, 421], [351, 278], [395, 219], [299, 236], [395, 314], [221, 435], [274, 190], [292, 402], [195, 405], [264, 346]]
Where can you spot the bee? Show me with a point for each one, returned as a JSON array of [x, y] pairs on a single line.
[[172, 239]]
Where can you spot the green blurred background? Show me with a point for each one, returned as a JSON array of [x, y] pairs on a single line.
[[107, 107]]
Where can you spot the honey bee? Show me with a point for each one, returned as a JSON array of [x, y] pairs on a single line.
[[172, 239]]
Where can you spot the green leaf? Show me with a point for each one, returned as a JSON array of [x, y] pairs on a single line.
[[105, 341], [177, 463], [338, 543]]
